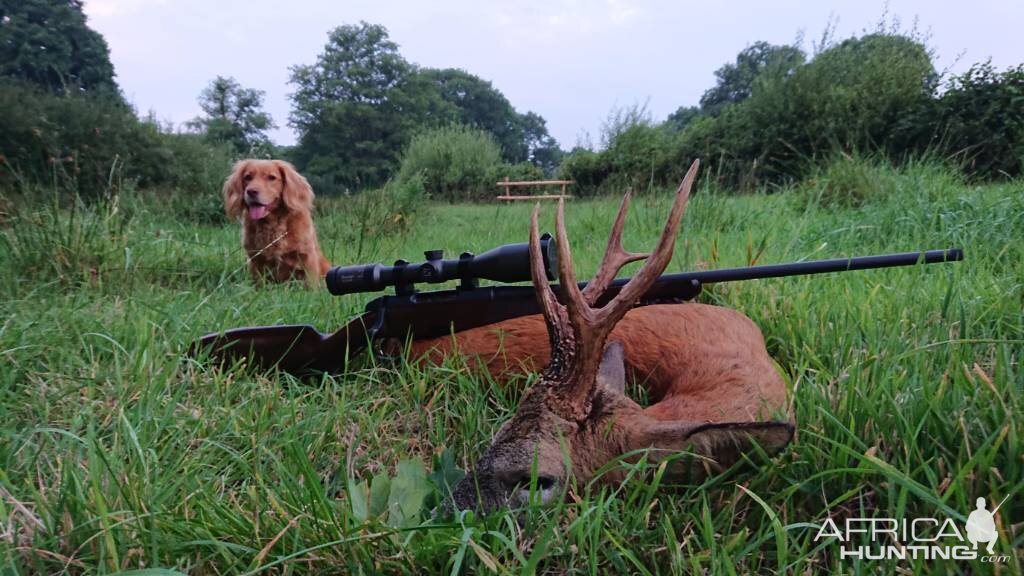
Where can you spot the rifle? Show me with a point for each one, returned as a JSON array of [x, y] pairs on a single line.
[[422, 315]]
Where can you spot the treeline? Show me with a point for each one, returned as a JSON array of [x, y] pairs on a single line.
[[774, 115], [359, 106], [93, 143], [365, 116], [64, 122]]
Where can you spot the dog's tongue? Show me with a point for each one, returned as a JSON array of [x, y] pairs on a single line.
[[257, 211]]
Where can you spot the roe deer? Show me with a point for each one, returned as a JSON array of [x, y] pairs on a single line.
[[577, 418]]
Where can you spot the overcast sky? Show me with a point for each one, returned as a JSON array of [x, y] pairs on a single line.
[[569, 61]]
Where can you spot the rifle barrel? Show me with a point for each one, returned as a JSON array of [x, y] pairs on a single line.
[[812, 267]]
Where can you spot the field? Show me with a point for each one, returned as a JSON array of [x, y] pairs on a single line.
[[118, 453]]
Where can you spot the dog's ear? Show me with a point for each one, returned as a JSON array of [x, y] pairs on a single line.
[[297, 195], [234, 191]]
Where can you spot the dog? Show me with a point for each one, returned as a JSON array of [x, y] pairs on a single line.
[[275, 203]]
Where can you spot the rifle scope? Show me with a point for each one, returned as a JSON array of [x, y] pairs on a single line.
[[508, 263]]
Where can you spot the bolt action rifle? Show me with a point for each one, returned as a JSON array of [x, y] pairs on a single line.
[[422, 315]]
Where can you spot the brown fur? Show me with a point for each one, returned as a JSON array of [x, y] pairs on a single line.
[[711, 380], [281, 245], [698, 362], [719, 426]]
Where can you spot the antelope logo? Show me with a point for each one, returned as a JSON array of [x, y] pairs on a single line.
[[577, 418]]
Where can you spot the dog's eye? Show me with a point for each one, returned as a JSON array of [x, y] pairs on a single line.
[[247, 177], [271, 177]]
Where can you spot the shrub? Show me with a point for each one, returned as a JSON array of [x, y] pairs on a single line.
[[454, 162], [635, 154], [521, 171], [848, 181], [849, 98], [83, 142], [638, 156], [369, 216], [195, 171], [853, 97], [587, 168], [979, 120], [89, 145], [636, 150], [853, 180]]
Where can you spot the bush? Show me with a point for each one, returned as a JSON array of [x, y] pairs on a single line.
[[638, 157], [82, 142], [849, 181], [194, 172], [853, 97], [514, 172], [372, 215], [587, 168], [88, 146], [635, 154], [850, 98], [980, 120], [454, 162], [394, 206], [854, 180]]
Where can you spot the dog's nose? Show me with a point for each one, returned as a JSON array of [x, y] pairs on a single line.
[[251, 192]]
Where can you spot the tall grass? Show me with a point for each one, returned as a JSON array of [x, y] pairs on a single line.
[[853, 180], [118, 453]]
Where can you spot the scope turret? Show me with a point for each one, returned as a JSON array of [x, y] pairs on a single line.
[[508, 263]]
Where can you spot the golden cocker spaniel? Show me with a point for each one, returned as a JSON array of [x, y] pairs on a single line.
[[275, 203]]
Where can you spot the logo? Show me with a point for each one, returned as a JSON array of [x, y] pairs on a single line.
[[918, 538], [981, 526]]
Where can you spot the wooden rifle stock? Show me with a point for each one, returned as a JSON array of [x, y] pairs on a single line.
[[293, 348]]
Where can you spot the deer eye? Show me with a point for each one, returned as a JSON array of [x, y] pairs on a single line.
[[522, 481], [543, 491]]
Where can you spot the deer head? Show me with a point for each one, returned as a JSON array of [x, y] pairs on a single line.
[[576, 418]]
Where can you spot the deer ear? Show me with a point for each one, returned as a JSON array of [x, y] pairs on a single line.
[[727, 442], [611, 375], [719, 445]]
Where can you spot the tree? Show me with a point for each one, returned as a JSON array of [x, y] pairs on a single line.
[[736, 81], [478, 104], [978, 120], [49, 43], [852, 98], [357, 107], [234, 115], [542, 149], [683, 115]]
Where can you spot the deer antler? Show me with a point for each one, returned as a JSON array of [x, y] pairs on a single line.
[[576, 329], [615, 256]]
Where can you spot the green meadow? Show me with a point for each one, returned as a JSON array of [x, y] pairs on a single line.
[[120, 453]]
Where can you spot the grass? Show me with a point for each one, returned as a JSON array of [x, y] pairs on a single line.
[[118, 454]]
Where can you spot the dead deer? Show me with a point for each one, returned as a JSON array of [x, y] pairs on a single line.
[[576, 418], [708, 362]]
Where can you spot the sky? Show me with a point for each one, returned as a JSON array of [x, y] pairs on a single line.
[[571, 61]]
